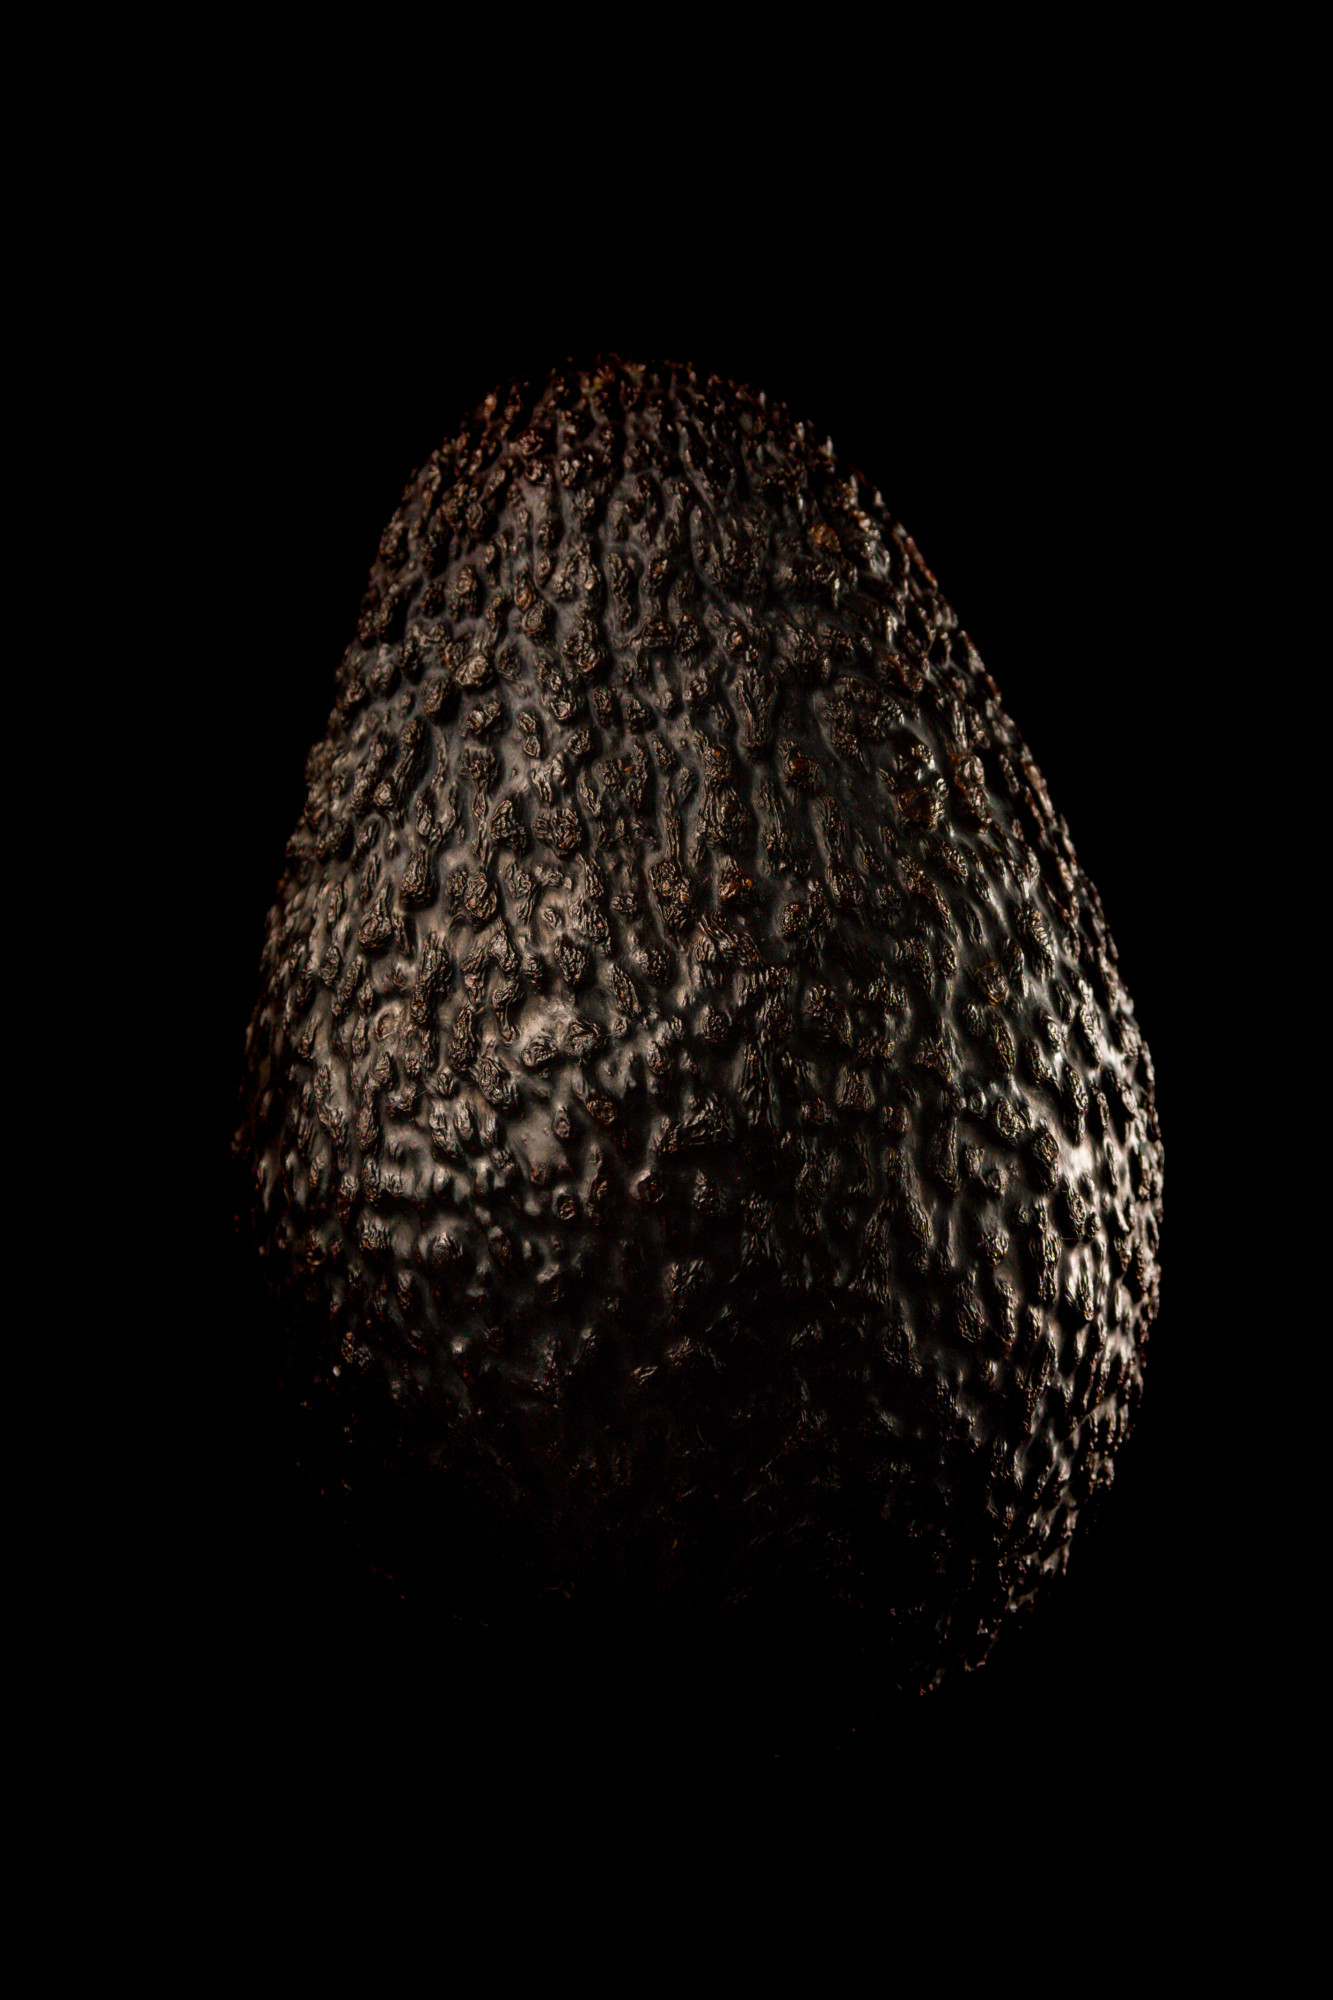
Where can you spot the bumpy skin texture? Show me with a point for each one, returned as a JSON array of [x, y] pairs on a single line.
[[693, 1118]]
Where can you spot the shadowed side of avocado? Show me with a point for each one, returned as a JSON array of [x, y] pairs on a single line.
[[693, 1121]]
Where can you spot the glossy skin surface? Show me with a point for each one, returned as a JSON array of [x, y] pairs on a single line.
[[692, 1113]]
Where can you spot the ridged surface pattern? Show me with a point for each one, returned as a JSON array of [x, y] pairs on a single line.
[[692, 1114]]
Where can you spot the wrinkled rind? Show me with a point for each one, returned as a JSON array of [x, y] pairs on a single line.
[[694, 1119]]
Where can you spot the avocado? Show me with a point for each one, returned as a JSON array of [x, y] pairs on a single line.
[[693, 1123]]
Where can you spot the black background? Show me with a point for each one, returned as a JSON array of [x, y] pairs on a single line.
[[1030, 393]]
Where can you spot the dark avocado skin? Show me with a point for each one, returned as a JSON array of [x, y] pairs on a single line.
[[693, 1123]]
